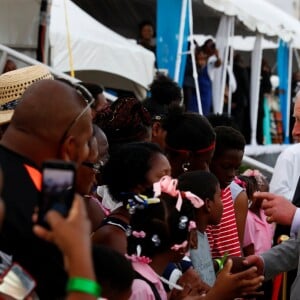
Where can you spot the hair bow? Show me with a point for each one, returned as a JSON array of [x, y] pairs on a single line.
[[139, 234], [141, 259], [240, 182], [168, 185], [177, 247], [255, 173], [196, 201]]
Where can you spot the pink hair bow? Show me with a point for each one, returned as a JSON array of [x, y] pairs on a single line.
[[139, 234], [136, 258], [196, 201], [168, 185], [240, 182], [177, 247], [255, 173]]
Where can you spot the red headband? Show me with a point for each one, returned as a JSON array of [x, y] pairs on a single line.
[[183, 151]]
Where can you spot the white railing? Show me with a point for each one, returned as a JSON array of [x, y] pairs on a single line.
[[30, 61]]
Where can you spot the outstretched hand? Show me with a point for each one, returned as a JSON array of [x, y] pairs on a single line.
[[230, 286], [277, 208]]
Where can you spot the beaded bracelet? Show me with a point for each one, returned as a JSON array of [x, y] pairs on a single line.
[[84, 285]]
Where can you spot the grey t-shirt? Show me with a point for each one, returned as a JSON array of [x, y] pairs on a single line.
[[202, 260]]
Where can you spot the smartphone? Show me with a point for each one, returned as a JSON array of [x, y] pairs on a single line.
[[17, 282], [58, 180]]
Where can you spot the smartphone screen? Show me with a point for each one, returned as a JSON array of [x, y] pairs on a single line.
[[17, 283], [57, 188]]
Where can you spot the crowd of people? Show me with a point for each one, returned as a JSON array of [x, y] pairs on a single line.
[[160, 211]]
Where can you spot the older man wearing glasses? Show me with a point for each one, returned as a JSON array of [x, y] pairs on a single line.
[[51, 121]]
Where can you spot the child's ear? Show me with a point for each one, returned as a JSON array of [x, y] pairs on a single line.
[[207, 205]]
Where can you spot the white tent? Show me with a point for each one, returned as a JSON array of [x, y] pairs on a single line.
[[98, 54]]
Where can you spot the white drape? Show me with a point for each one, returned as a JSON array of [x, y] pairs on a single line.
[[225, 31], [256, 58]]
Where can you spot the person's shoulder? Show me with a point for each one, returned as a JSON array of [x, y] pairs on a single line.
[[294, 149], [290, 152]]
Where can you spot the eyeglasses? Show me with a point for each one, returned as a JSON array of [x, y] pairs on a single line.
[[97, 167], [89, 99]]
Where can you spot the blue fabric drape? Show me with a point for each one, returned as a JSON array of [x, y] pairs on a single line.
[[283, 69], [168, 24]]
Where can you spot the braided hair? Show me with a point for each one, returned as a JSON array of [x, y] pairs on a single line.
[[162, 226], [125, 121]]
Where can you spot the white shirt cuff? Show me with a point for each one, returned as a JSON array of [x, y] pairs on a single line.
[[295, 223]]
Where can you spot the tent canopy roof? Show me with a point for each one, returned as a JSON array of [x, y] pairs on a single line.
[[260, 16], [97, 48]]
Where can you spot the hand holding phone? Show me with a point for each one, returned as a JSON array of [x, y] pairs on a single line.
[[58, 179]]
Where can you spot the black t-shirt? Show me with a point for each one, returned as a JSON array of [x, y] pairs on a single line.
[[41, 259]]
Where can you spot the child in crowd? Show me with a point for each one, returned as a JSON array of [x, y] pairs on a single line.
[[223, 238], [133, 168], [258, 232], [114, 272], [190, 141], [239, 196], [159, 234], [209, 214], [120, 129]]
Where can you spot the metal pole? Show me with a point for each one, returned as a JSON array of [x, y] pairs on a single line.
[[180, 40]]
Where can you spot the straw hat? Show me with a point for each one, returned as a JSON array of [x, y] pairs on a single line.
[[13, 84]]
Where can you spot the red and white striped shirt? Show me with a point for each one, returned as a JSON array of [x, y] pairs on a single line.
[[223, 238]]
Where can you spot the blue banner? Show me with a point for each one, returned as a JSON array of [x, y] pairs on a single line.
[[283, 69], [168, 25]]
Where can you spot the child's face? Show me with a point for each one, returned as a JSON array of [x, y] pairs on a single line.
[[160, 167], [216, 207], [226, 165]]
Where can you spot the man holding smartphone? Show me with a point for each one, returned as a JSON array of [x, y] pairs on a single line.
[[52, 121]]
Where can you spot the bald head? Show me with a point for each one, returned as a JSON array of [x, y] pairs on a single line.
[[47, 108]]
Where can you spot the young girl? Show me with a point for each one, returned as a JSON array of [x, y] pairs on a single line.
[[208, 214], [159, 236], [258, 232], [133, 168]]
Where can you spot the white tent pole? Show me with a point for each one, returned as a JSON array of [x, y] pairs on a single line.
[[195, 73], [231, 70], [228, 35], [47, 41], [3, 58], [180, 40], [288, 96], [256, 58]]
